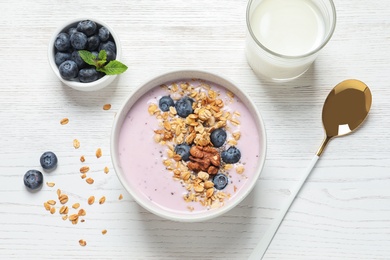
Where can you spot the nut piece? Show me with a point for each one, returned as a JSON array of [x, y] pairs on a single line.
[[120, 197], [98, 153], [50, 184], [102, 200], [84, 169], [63, 198], [82, 212], [106, 170], [90, 181], [76, 144], [82, 242], [91, 200], [64, 121], [104, 231], [106, 106], [76, 205], [82, 158]]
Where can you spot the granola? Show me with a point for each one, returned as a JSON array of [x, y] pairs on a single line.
[[194, 130]]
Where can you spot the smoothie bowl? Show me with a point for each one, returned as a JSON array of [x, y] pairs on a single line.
[[188, 145]]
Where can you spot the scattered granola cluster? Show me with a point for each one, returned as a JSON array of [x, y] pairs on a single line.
[[193, 157], [75, 213]]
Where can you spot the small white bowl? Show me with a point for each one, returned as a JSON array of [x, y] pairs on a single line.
[[133, 186], [90, 86]]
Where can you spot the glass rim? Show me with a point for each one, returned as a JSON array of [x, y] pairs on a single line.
[[317, 49]]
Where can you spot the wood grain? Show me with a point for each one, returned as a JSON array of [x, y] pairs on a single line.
[[343, 212]]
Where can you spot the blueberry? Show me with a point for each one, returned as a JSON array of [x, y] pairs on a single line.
[[110, 56], [68, 70], [93, 42], [79, 61], [48, 160], [62, 42], [87, 27], [78, 40], [165, 102], [88, 75], [184, 151], [107, 46], [218, 137], [184, 106], [72, 30], [231, 155], [60, 57], [33, 179], [220, 181], [104, 34]]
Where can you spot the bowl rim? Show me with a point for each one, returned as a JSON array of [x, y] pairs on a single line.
[[156, 81], [95, 85]]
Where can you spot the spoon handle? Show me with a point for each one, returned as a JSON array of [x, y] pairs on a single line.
[[262, 246]]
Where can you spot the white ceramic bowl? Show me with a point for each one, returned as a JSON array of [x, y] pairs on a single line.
[[132, 186], [90, 86]]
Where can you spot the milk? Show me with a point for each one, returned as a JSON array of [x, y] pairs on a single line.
[[294, 28]]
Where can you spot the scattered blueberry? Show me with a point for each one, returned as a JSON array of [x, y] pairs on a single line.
[[62, 42], [87, 27], [75, 56], [184, 151], [88, 75], [48, 160], [220, 181], [108, 46], [60, 57], [184, 106], [218, 137], [165, 102], [68, 69], [104, 34], [93, 42], [78, 40], [33, 179], [231, 155]]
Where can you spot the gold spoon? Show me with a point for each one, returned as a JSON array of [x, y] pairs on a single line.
[[344, 110]]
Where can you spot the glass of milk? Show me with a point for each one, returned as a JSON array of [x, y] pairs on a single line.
[[285, 36]]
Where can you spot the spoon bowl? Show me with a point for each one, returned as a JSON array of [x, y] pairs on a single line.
[[344, 110]]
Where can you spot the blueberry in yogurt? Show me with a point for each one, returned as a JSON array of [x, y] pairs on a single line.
[[220, 181], [165, 102], [218, 137], [184, 151], [184, 106], [231, 155]]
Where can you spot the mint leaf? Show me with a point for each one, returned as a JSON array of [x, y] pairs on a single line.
[[113, 67], [103, 56], [88, 57]]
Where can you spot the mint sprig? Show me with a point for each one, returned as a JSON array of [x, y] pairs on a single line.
[[113, 67]]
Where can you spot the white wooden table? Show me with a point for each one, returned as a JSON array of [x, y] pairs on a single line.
[[343, 212]]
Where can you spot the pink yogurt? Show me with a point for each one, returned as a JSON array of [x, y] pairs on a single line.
[[141, 158]]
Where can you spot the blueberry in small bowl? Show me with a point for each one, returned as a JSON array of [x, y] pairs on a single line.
[[84, 54]]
